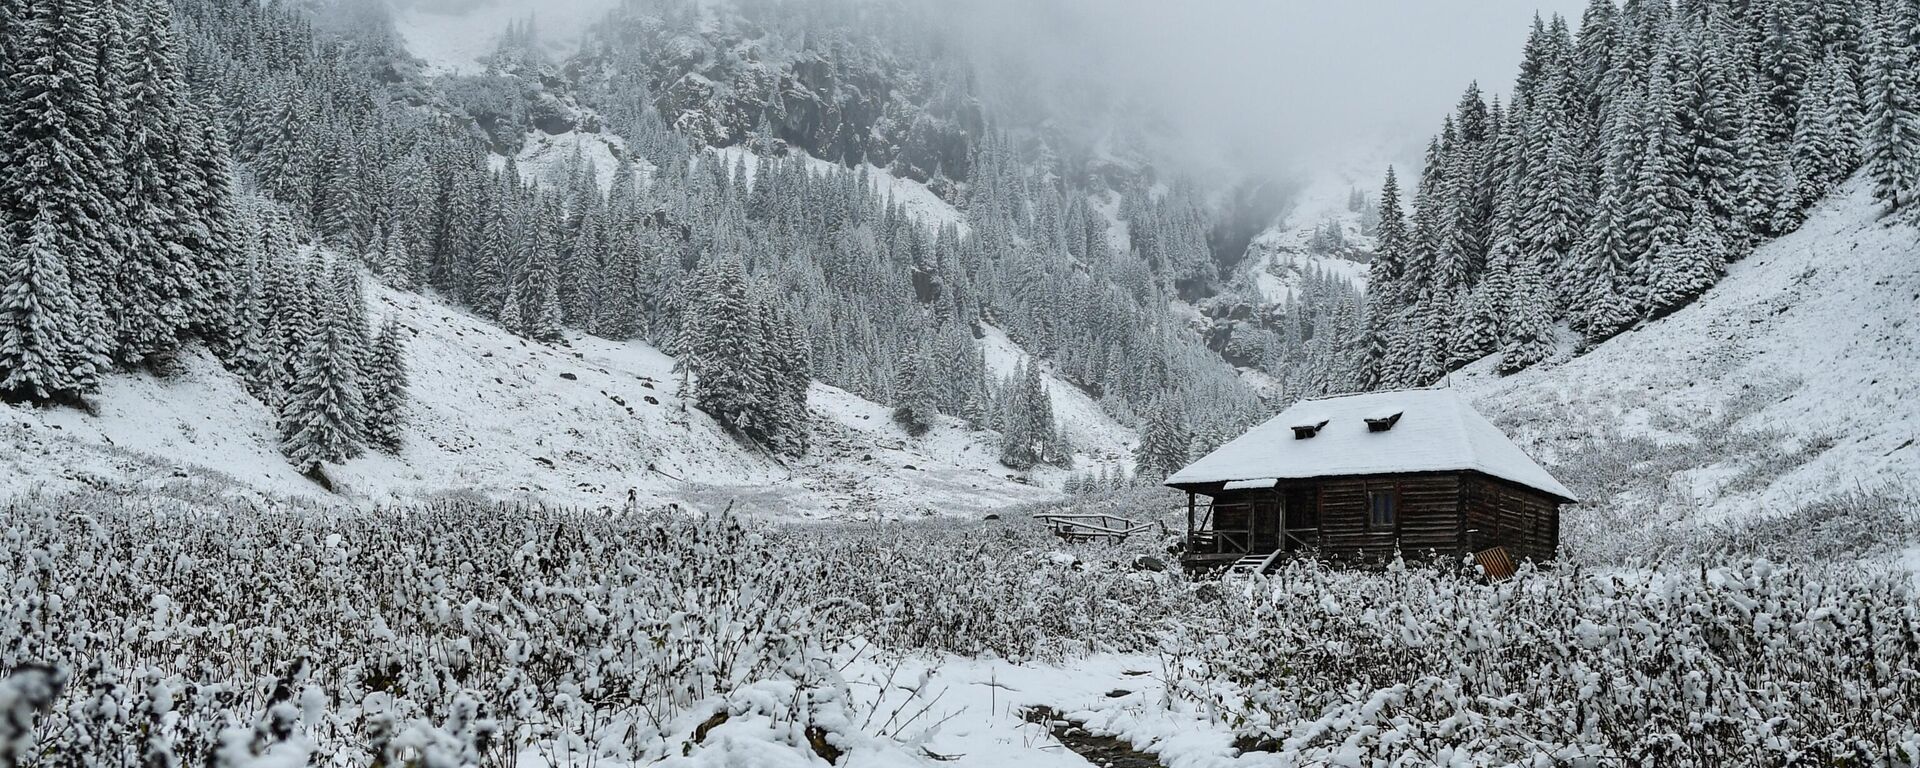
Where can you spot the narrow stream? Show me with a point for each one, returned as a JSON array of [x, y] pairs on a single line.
[[1104, 751]]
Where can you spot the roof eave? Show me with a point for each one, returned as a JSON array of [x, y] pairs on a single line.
[[1200, 486]]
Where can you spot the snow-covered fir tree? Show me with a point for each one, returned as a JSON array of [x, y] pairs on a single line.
[[914, 406], [1029, 436], [1892, 88], [1635, 159], [1165, 443], [322, 416], [385, 390]]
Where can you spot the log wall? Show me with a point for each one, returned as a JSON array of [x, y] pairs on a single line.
[[1426, 516], [1443, 514], [1502, 514]]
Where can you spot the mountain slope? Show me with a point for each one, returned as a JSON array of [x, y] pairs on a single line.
[[500, 416], [1792, 380], [1280, 258]]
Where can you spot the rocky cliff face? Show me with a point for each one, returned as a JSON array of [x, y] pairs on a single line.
[[839, 95]]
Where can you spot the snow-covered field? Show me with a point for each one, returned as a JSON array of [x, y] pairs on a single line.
[[465, 632], [1811, 341]]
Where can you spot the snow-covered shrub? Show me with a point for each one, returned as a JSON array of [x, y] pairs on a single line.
[[1850, 525], [1746, 664], [467, 632], [1005, 588], [462, 631]]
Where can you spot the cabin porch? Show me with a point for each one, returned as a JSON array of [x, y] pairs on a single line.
[[1237, 524]]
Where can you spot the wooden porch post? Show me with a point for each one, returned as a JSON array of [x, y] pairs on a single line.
[[1189, 517], [1280, 503]]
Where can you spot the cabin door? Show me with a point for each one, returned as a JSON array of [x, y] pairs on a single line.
[[1266, 525], [1302, 515]]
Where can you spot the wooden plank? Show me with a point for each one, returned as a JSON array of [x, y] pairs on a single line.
[[1495, 563]]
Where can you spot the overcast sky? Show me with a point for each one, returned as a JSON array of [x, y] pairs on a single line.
[[1248, 84], [1284, 81]]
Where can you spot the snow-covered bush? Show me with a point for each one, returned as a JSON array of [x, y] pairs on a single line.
[[1004, 588], [469, 632], [1747, 664]]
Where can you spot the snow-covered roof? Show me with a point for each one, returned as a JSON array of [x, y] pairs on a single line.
[[1437, 432]]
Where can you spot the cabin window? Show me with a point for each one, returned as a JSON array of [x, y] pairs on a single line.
[[1304, 431], [1380, 509]]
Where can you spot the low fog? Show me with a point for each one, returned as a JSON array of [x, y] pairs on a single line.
[[1224, 89], [1252, 86]]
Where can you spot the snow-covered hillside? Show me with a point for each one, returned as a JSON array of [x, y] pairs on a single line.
[[497, 415], [914, 197], [1793, 379], [1282, 257], [548, 158], [451, 36]]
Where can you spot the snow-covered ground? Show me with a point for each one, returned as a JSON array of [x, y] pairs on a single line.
[[497, 415], [1815, 336], [974, 710]]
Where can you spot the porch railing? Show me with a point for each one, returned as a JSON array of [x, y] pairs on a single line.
[[1205, 536]]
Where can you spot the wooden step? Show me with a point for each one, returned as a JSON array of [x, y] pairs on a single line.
[[1256, 563]]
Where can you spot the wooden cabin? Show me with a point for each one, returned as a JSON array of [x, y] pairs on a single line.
[[1359, 476]]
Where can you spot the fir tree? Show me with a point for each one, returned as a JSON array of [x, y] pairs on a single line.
[[39, 337], [386, 390], [490, 265], [1529, 325], [395, 263], [1478, 334], [321, 420], [532, 302], [1683, 271], [284, 151], [154, 277], [1661, 198], [212, 233], [1028, 435], [783, 421], [1609, 305], [1826, 132], [54, 335], [1164, 441], [1704, 95], [718, 341], [1893, 107], [13, 16], [345, 293], [914, 408], [1762, 205]]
